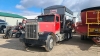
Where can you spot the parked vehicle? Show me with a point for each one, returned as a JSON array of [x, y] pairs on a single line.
[[89, 24], [49, 28], [3, 25], [13, 31]]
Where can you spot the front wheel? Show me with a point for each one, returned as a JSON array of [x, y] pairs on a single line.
[[17, 35], [49, 43]]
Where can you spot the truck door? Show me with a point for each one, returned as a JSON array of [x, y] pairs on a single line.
[[57, 23]]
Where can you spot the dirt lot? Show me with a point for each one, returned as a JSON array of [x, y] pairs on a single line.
[[73, 47]]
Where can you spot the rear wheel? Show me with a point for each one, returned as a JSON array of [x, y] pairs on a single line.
[[70, 35], [82, 37], [17, 35], [27, 45], [49, 43], [85, 37], [67, 36], [5, 37]]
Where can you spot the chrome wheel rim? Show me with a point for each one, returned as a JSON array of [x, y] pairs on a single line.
[[51, 43]]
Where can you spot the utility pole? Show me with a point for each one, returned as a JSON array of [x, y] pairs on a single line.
[[41, 12]]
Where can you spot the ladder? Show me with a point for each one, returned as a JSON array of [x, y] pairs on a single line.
[[94, 22]]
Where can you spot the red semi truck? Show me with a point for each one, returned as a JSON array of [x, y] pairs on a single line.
[[48, 29]]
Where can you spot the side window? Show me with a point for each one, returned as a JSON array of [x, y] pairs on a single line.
[[57, 19]]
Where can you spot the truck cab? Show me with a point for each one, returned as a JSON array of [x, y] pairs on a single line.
[[49, 23]]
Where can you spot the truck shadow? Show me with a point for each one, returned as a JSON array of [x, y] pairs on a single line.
[[82, 44], [14, 43], [36, 49]]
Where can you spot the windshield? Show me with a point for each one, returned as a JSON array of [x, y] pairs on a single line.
[[47, 18]]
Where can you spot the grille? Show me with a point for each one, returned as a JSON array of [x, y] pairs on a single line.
[[32, 30]]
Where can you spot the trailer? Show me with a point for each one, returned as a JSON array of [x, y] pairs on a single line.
[[48, 29], [89, 26]]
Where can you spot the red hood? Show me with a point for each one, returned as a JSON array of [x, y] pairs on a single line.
[[46, 26]]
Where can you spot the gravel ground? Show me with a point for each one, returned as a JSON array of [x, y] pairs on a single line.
[[73, 47]]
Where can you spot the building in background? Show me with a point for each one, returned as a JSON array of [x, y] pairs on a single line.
[[31, 16], [11, 19]]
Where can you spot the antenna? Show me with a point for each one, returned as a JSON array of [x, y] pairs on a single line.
[[41, 12]]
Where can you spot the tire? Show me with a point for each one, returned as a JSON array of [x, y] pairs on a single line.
[[17, 35], [71, 35], [27, 45], [85, 37], [67, 36], [82, 37], [49, 43], [5, 37]]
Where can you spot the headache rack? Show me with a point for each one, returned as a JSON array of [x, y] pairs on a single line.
[[31, 30], [93, 22]]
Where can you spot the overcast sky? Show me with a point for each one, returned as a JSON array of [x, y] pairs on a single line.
[[74, 5], [31, 7]]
